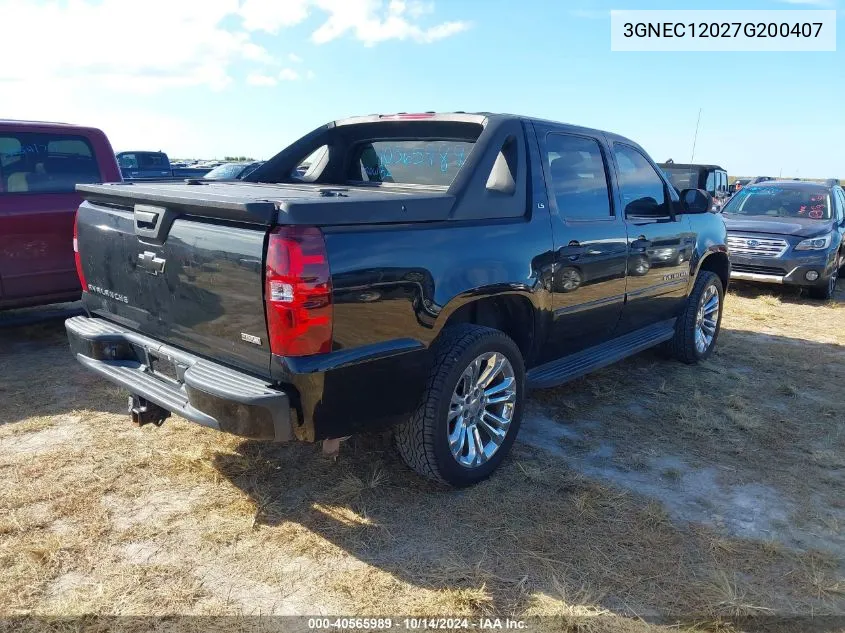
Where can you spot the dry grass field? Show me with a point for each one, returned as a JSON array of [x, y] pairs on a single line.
[[650, 496]]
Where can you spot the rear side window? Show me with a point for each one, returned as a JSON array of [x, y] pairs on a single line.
[[416, 162], [578, 179], [710, 183], [723, 181], [682, 177], [45, 163]]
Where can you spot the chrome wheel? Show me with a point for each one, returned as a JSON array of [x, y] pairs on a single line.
[[707, 319], [481, 409]]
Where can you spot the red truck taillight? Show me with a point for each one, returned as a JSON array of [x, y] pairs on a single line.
[[298, 292], [76, 255]]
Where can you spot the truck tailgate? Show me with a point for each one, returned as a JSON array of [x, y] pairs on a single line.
[[194, 282], [183, 263]]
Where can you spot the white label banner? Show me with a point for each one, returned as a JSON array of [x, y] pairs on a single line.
[[736, 31]]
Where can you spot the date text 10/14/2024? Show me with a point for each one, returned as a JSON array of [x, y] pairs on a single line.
[[416, 624]]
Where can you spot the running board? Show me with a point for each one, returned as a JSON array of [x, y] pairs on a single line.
[[589, 360]]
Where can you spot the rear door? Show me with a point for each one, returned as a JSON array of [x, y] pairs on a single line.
[[660, 243], [38, 175], [590, 245]]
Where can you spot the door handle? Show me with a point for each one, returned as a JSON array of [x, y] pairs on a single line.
[[145, 219]]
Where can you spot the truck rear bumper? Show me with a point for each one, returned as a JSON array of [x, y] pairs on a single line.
[[192, 387]]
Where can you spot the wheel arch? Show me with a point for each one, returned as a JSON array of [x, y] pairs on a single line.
[[718, 262], [512, 311]]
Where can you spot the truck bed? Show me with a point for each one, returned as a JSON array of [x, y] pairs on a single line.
[[271, 204]]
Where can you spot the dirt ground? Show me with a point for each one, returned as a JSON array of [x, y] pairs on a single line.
[[649, 496]]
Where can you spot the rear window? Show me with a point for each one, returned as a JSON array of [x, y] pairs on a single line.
[[682, 178], [45, 163], [415, 162], [152, 161], [781, 202]]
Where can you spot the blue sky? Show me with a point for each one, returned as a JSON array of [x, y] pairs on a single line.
[[250, 76]]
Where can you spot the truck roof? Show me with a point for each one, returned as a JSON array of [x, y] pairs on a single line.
[[477, 117], [46, 125], [692, 166], [792, 184]]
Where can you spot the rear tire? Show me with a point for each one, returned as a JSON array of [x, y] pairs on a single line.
[[692, 328], [450, 414]]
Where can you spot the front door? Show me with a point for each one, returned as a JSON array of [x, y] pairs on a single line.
[[590, 247], [660, 243]]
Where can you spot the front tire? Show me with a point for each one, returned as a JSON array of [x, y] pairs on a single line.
[[698, 327], [825, 293], [471, 409]]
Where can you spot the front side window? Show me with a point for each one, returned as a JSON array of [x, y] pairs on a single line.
[[642, 189], [45, 163], [578, 178]]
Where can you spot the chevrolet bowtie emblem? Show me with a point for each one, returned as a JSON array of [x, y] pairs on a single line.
[[151, 263]]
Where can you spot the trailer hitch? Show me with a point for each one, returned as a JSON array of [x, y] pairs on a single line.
[[142, 411]]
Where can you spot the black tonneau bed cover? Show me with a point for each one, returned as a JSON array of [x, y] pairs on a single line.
[[270, 204]]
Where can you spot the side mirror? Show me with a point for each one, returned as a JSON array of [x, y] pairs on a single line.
[[696, 201]]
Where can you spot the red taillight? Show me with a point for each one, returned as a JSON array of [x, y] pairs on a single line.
[[76, 255], [298, 292]]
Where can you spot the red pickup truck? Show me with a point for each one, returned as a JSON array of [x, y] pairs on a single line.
[[40, 166]]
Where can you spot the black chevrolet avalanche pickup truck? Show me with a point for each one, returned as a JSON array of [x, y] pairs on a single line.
[[416, 270]]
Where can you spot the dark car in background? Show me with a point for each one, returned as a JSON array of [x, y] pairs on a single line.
[[145, 165], [40, 166], [710, 178], [233, 171], [787, 232]]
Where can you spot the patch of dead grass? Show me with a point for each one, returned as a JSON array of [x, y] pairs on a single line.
[[240, 525]]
